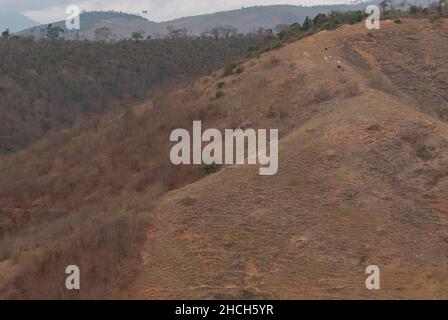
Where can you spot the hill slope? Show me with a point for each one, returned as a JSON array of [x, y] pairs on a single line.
[[40, 92], [363, 180]]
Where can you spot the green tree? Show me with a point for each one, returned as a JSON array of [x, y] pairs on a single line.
[[386, 4], [5, 34], [138, 35], [307, 24], [103, 34], [53, 32], [175, 33]]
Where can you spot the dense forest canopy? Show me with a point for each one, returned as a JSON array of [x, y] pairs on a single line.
[[47, 85]]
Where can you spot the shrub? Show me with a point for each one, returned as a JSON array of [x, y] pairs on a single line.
[[425, 153], [128, 114], [435, 20], [187, 201], [220, 85], [101, 247], [321, 95], [143, 182], [228, 240], [274, 60], [15, 255], [79, 84], [252, 49], [219, 94], [397, 21], [209, 169], [228, 69], [273, 113], [239, 70], [138, 35], [247, 294]]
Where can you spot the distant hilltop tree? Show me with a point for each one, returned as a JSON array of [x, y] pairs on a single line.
[[5, 34], [103, 34], [138, 35], [177, 33], [221, 32], [54, 32]]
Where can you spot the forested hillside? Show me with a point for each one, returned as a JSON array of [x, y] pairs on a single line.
[[47, 85], [245, 20]]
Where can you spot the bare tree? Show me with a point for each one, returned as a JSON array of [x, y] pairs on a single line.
[[5, 34], [223, 32], [103, 34], [176, 33], [441, 6], [402, 4], [386, 4]]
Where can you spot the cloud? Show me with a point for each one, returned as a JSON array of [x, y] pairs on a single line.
[[26, 5], [45, 11]]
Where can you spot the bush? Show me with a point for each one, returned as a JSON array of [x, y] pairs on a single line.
[[425, 153], [219, 94], [228, 240], [228, 69], [187, 201], [397, 21], [128, 114], [15, 255], [321, 95], [239, 70], [435, 20], [220, 85], [106, 249], [209, 169]]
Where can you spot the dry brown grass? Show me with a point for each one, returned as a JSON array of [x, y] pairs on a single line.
[[86, 195]]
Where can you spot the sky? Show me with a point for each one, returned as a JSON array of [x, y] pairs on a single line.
[[45, 11]]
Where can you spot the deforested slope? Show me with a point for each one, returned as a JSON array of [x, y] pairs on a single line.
[[363, 182], [363, 179]]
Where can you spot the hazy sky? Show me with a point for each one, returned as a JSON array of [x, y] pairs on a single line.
[[45, 11]]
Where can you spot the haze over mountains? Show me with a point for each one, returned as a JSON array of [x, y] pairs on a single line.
[[15, 21], [245, 20]]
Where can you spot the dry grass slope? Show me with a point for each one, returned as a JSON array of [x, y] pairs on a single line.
[[363, 180]]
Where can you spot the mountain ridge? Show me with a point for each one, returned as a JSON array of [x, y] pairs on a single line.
[[243, 20], [15, 21]]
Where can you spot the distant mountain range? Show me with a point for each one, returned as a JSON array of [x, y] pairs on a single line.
[[15, 21], [245, 20]]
